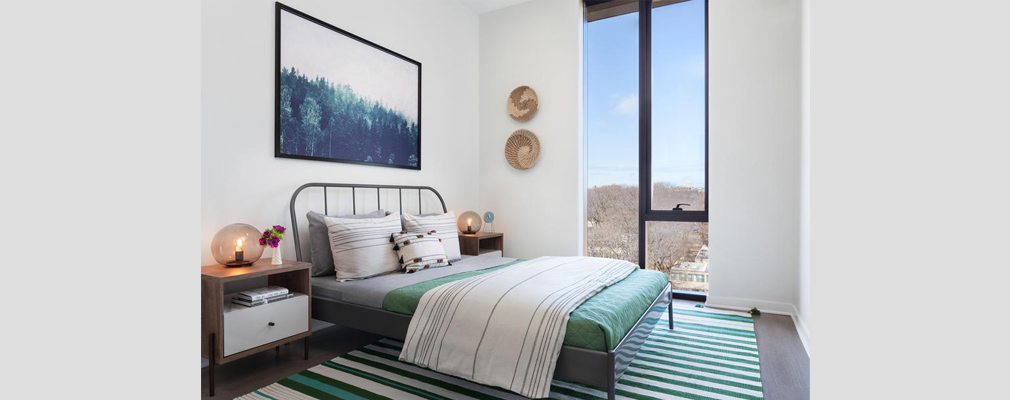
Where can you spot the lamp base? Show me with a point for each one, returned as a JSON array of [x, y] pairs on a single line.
[[232, 264], [469, 232]]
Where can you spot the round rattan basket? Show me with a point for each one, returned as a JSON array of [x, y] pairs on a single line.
[[522, 103], [522, 149]]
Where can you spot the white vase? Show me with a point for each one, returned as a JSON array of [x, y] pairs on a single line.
[[276, 259]]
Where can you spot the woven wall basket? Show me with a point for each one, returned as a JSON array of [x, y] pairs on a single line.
[[522, 149], [522, 103]]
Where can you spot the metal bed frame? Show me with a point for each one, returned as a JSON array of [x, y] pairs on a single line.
[[591, 367]]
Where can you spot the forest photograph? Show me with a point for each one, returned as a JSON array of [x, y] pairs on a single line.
[[344, 99]]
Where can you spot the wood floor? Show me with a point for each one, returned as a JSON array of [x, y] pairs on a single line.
[[785, 367]]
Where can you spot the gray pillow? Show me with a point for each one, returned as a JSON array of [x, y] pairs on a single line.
[[319, 241]]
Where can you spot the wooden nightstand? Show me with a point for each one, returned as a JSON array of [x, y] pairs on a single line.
[[472, 245], [230, 333]]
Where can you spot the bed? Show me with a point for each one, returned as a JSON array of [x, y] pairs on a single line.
[[603, 334]]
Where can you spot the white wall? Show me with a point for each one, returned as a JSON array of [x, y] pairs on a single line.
[[754, 155], [539, 44], [241, 179], [803, 289], [755, 149]]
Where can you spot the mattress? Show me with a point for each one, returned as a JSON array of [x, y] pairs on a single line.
[[598, 324]]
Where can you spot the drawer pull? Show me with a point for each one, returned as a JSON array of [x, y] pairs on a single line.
[[271, 324]]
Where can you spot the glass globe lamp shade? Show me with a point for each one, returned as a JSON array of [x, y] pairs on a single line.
[[236, 245], [468, 222]]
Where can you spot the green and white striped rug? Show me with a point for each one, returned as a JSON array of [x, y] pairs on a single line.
[[711, 354]]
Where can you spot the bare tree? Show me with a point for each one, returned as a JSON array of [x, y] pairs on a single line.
[[613, 225]]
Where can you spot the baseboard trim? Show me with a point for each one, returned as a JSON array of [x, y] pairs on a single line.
[[802, 330], [770, 307], [734, 303]]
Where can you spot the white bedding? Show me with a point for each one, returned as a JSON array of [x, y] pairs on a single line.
[[505, 328]]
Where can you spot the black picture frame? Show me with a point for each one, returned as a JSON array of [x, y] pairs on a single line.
[[279, 70]]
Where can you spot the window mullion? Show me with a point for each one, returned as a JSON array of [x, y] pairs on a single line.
[[682, 216], [644, 121]]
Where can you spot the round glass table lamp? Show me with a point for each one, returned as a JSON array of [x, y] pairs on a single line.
[[236, 245], [468, 222]]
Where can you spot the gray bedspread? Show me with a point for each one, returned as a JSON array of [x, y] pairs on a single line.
[[371, 291]]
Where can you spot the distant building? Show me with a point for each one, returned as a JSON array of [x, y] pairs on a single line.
[[702, 254], [689, 275]]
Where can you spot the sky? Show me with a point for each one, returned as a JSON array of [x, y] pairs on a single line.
[[373, 74], [678, 97]]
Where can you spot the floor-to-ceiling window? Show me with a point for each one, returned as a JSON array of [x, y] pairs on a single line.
[[647, 136]]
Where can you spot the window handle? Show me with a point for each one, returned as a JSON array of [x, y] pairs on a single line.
[[677, 208]]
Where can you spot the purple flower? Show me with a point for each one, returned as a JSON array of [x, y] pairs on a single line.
[[263, 242], [266, 234], [279, 229], [274, 242]]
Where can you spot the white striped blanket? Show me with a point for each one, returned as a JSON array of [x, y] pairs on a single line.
[[505, 328]]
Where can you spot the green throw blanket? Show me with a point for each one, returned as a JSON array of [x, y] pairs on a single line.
[[598, 324]]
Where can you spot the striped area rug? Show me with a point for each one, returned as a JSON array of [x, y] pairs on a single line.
[[711, 354]]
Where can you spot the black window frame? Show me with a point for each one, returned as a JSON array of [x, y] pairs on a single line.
[[645, 212]]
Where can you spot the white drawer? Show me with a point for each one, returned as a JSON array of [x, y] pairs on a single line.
[[246, 328]]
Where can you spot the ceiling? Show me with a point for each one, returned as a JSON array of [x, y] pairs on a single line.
[[483, 6]]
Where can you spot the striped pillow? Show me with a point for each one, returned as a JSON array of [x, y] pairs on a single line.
[[419, 250], [361, 247], [319, 240], [443, 224]]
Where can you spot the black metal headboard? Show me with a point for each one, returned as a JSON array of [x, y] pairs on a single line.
[[354, 206]]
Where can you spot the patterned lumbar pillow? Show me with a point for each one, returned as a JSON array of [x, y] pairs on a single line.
[[361, 247], [444, 224], [418, 251]]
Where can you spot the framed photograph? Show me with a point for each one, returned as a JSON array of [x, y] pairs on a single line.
[[342, 98]]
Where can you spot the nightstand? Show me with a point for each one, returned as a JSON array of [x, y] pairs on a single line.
[[230, 332], [475, 244]]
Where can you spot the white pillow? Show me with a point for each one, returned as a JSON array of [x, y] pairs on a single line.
[[419, 250], [361, 247], [444, 226]]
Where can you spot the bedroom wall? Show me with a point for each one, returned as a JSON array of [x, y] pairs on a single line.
[[754, 159], [803, 287], [539, 44], [755, 141], [241, 179]]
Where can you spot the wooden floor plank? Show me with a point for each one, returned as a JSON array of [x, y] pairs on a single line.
[[785, 366]]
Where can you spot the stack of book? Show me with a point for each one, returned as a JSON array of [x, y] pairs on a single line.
[[261, 296]]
